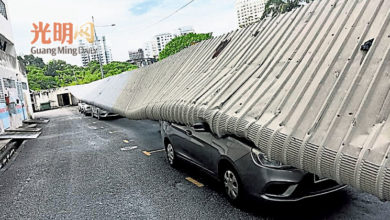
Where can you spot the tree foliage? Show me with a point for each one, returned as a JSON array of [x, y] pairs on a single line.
[[58, 73], [179, 43], [275, 7], [31, 60]]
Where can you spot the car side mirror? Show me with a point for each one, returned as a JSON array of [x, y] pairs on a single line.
[[201, 127]]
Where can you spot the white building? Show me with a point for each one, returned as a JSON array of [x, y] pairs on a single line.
[[52, 98], [101, 50], [162, 40], [249, 11], [158, 43], [15, 102], [185, 30], [150, 49]]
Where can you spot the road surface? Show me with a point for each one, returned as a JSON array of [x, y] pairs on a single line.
[[83, 168]]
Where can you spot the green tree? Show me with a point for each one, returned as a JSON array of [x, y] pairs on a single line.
[[58, 73], [179, 43], [55, 67], [31, 60], [276, 7], [38, 80]]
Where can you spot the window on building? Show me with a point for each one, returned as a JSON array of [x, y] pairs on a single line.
[[3, 11], [24, 86], [20, 91], [6, 83], [12, 83], [2, 97]]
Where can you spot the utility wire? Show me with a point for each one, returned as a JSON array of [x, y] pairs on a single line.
[[136, 30], [173, 13]]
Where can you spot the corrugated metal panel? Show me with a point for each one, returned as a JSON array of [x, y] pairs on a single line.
[[299, 86]]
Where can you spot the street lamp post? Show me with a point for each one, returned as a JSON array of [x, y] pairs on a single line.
[[96, 39]]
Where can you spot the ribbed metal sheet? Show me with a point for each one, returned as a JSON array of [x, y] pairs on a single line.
[[298, 86]]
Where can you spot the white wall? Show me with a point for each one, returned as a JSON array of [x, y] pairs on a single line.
[[50, 95], [6, 32]]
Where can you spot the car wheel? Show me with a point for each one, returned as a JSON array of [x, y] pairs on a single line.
[[171, 155], [232, 185]]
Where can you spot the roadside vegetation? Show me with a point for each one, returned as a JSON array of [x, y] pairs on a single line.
[[179, 43], [58, 73]]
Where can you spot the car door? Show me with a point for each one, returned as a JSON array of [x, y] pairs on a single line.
[[179, 139], [202, 150]]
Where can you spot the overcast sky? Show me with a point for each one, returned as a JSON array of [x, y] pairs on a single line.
[[134, 20]]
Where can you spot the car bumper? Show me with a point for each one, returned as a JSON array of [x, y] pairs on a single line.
[[299, 193], [281, 185], [107, 114]]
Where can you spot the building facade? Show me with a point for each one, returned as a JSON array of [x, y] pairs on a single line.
[[150, 49], [249, 11], [15, 102], [162, 40], [138, 58], [157, 44], [135, 55], [52, 98], [92, 51]]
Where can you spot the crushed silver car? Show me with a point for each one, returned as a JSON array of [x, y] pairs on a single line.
[[81, 107], [87, 109], [101, 113]]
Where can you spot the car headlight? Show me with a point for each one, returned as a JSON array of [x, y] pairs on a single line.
[[259, 158]]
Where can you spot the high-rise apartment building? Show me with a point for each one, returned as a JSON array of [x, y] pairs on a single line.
[[249, 11], [92, 51], [162, 40], [150, 50], [158, 43]]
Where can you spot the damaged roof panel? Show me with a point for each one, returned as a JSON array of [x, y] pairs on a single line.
[[310, 88]]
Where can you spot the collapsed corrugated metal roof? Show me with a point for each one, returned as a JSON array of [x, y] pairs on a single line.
[[310, 88]]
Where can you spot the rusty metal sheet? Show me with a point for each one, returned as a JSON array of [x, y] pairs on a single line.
[[310, 88]]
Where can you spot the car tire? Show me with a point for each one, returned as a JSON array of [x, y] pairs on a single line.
[[232, 186], [171, 155]]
